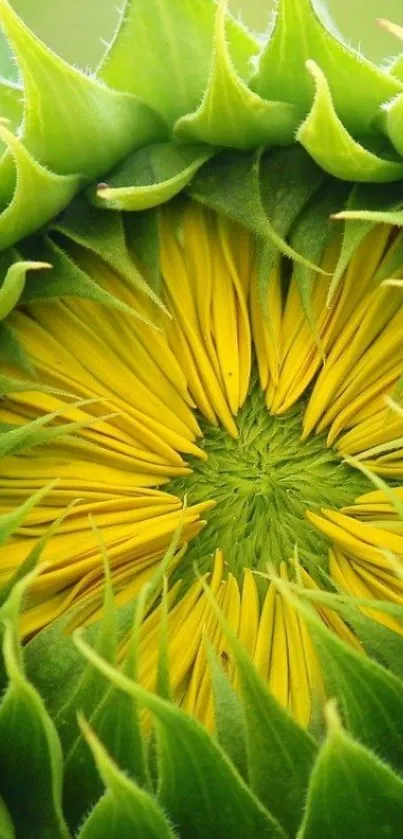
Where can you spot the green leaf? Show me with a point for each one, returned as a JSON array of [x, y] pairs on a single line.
[[151, 176], [230, 114], [299, 35], [125, 811], [30, 754], [104, 234], [326, 139], [14, 283], [188, 758], [36, 193], [370, 697], [6, 825], [351, 792], [181, 33], [106, 125]]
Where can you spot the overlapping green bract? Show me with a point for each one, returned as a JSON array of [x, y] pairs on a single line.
[[112, 782], [181, 74]]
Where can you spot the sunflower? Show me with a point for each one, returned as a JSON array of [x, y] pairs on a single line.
[[201, 424]]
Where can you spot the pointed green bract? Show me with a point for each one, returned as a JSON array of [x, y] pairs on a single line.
[[12, 351], [126, 811], [30, 749], [329, 143], [6, 825], [370, 697], [351, 792], [66, 279], [38, 431], [230, 114], [181, 33], [10, 521], [310, 234], [229, 715], [11, 103], [264, 193], [106, 124], [14, 284], [151, 176], [187, 759], [358, 88], [279, 771], [104, 235], [24, 213]]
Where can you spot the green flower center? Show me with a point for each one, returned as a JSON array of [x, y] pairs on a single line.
[[263, 483]]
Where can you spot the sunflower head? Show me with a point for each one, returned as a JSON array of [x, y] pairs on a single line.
[[201, 476]]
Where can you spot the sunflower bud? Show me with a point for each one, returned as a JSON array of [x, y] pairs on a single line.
[[201, 482]]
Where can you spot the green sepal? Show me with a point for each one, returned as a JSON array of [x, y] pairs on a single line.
[[330, 144], [11, 103], [14, 284], [113, 715], [39, 431], [374, 203], [6, 826], [370, 697], [188, 758], [143, 239], [380, 642], [66, 279], [288, 181], [31, 560], [229, 715], [151, 176], [279, 772], [125, 811], [298, 36], [309, 236], [116, 722], [12, 351], [392, 120], [351, 792], [35, 194], [91, 687], [10, 521], [29, 746], [106, 124], [182, 34], [396, 67], [257, 191], [104, 234], [230, 114], [367, 205]]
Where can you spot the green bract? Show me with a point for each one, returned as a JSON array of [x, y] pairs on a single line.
[[282, 137]]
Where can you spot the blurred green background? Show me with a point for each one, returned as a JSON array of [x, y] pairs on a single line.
[[75, 28]]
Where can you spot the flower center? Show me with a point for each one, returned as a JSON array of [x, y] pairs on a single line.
[[263, 483]]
